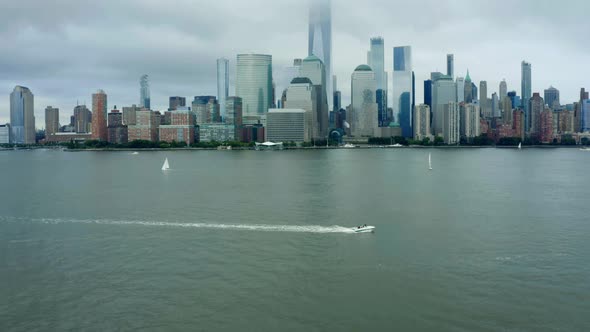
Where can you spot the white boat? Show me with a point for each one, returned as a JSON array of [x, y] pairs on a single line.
[[520, 146], [349, 146], [135, 153], [364, 229], [585, 149], [430, 161], [166, 165]]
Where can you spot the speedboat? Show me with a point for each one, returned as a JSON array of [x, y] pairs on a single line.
[[364, 229], [585, 149], [349, 146]]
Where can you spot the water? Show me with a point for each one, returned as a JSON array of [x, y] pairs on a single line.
[[491, 240]]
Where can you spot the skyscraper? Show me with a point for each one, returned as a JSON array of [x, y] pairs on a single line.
[[320, 37], [303, 94], [585, 125], [421, 122], [82, 119], [363, 119], [503, 92], [222, 84], [22, 116], [552, 98], [51, 120], [402, 87], [460, 89], [144, 92], [469, 121], [483, 99], [451, 123], [444, 91], [451, 65], [254, 83], [536, 106], [176, 102], [526, 92], [376, 60], [99, 116], [468, 89], [313, 68]]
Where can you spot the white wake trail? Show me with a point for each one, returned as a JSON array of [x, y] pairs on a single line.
[[235, 227]]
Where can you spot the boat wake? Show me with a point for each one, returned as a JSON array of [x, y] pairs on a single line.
[[213, 226]]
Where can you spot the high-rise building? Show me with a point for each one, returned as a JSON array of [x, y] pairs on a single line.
[[222, 84], [283, 78], [421, 122], [428, 93], [5, 134], [313, 68], [320, 37], [233, 111], [117, 131], [552, 98], [451, 65], [460, 89], [526, 92], [483, 99], [376, 60], [495, 103], [468, 95], [82, 119], [507, 110], [288, 125], [451, 123], [536, 106], [363, 117], [503, 90], [402, 88], [444, 91], [51, 120], [546, 125], [585, 124], [181, 128], [516, 101], [144, 92], [469, 121], [130, 114], [176, 102], [99, 116], [145, 127], [22, 116], [303, 94], [254, 83], [206, 109]]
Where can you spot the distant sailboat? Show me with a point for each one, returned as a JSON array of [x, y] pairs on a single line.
[[166, 165], [520, 146], [430, 161]]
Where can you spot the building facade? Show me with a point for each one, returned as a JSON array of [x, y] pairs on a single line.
[[176, 102], [206, 108], [422, 122], [144, 92], [22, 116], [302, 94], [51, 120], [552, 98], [536, 107], [233, 107], [5, 134], [222, 84], [585, 123], [403, 88], [313, 68], [216, 132], [526, 92], [469, 121], [364, 112], [99, 116], [451, 123], [288, 125], [451, 65], [82, 119], [145, 128], [254, 83], [444, 91], [117, 131], [181, 128]]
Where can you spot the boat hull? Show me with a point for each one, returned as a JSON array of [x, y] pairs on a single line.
[[368, 229]]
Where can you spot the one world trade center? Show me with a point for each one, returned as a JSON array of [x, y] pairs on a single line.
[[320, 39]]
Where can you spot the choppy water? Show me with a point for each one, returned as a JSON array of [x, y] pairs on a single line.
[[491, 240]]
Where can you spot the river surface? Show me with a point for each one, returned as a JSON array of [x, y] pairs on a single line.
[[490, 240]]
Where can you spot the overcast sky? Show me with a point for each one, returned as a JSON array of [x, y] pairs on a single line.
[[64, 50]]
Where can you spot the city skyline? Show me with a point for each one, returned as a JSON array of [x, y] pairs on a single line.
[[110, 63]]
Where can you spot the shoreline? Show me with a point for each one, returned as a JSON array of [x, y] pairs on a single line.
[[362, 147]]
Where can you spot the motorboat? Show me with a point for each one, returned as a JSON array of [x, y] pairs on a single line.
[[585, 149], [364, 229], [349, 146]]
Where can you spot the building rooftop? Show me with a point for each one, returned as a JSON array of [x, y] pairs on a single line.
[[312, 58], [363, 68], [301, 80]]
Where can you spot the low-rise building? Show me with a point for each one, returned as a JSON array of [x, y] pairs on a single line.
[[117, 132], [67, 137], [5, 134], [146, 127], [181, 127], [216, 132]]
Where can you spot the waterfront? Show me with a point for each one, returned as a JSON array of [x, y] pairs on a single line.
[[492, 239]]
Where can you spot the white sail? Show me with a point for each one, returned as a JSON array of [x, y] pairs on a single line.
[[166, 165], [519, 146], [430, 161]]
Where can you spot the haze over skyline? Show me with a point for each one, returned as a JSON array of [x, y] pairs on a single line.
[[65, 51]]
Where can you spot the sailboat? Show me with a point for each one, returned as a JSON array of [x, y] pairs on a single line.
[[166, 165], [430, 161], [520, 146]]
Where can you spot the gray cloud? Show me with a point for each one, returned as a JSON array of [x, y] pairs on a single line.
[[64, 49]]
